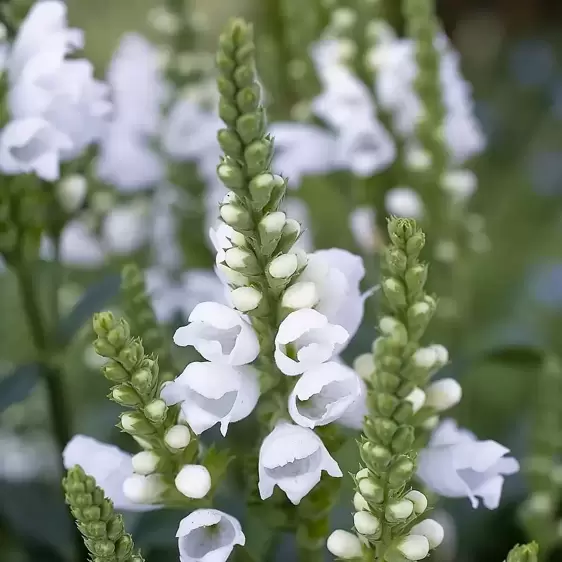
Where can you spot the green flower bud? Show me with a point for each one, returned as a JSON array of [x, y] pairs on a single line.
[[415, 244], [156, 411], [251, 126], [401, 471], [375, 456], [228, 112], [415, 278], [119, 334], [124, 395], [142, 381], [403, 439], [114, 372], [130, 356], [395, 292], [397, 260], [270, 229], [243, 261], [101, 548], [136, 424], [289, 235], [231, 175], [382, 429], [371, 491], [103, 322], [96, 529], [386, 404], [115, 528], [230, 143], [524, 553], [104, 349], [124, 547], [236, 216], [258, 155], [262, 187], [248, 100]]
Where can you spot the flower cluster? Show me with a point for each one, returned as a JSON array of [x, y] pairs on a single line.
[[56, 108]]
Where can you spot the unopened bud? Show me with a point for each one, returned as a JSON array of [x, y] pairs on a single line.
[[344, 544], [242, 260], [300, 295], [246, 299], [145, 462], [193, 481], [156, 411], [419, 500], [235, 216], [124, 395], [414, 547], [283, 266], [371, 491], [177, 437], [399, 510], [360, 503], [364, 366], [443, 394], [431, 530], [366, 524], [417, 399], [71, 192], [143, 489]]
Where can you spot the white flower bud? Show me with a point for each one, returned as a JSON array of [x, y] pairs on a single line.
[[362, 474], [364, 365], [441, 353], [366, 523], [230, 197], [430, 423], [414, 547], [245, 299], [236, 258], [461, 184], [71, 192], [145, 462], [425, 357], [418, 159], [301, 255], [233, 215], [143, 489], [404, 202], [443, 394], [273, 222], [431, 530], [344, 545], [283, 266], [238, 239], [388, 324], [399, 510], [291, 227], [418, 499], [193, 481], [417, 399], [233, 277], [360, 503], [178, 437], [300, 295], [128, 422]]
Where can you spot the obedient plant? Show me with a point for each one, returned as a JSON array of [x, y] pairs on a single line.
[[227, 357]]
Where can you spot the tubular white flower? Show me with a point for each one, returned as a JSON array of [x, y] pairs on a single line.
[[145, 462], [344, 544], [211, 394], [443, 394], [414, 547], [177, 437], [404, 202], [311, 339], [246, 299], [323, 394], [141, 489], [431, 530], [337, 274], [109, 465], [219, 334], [293, 458], [208, 535], [455, 465], [193, 481]]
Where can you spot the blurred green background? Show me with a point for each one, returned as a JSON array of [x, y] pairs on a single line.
[[512, 54]]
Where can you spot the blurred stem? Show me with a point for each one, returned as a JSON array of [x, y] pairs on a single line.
[[61, 422]]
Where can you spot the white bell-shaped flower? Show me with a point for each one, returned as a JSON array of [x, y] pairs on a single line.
[[323, 394], [30, 145], [337, 274], [210, 393], [113, 470], [208, 535], [220, 334], [293, 458], [455, 465], [306, 339]]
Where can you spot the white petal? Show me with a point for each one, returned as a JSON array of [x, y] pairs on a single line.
[[299, 322]]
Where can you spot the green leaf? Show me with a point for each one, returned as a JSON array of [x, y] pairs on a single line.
[[518, 356], [18, 385], [259, 536], [97, 297]]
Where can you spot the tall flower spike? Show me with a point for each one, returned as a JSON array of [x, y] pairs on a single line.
[[395, 401], [103, 529]]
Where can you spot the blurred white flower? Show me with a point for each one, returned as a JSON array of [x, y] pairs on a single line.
[[323, 394], [208, 535], [455, 464], [111, 467], [211, 394], [220, 334], [306, 339], [363, 228], [293, 458], [404, 202], [337, 274]]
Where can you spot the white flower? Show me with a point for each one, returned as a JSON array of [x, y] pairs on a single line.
[[363, 228], [208, 535], [455, 464], [336, 274], [293, 458], [311, 339], [354, 416], [220, 334], [43, 29], [443, 394], [30, 145], [211, 394], [323, 394], [111, 467]]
